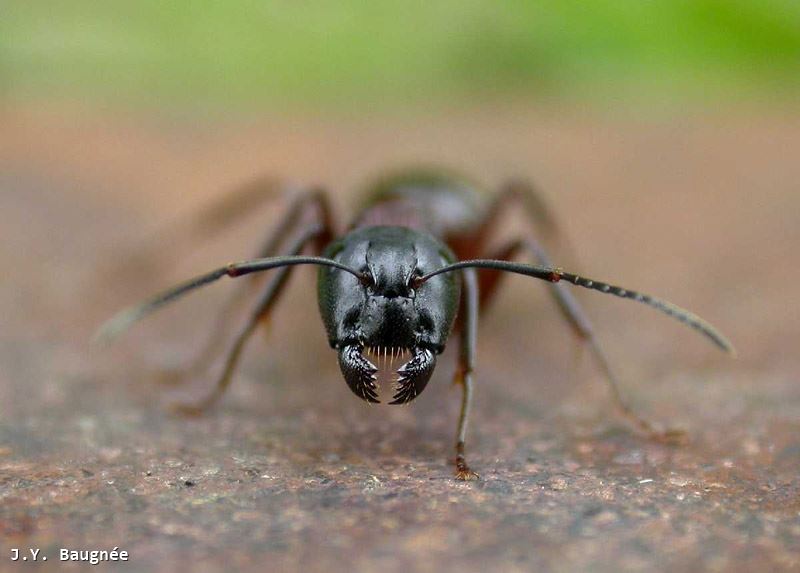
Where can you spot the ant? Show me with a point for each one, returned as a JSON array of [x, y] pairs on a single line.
[[403, 278]]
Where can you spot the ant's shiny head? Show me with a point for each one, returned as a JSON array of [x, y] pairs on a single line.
[[388, 314]]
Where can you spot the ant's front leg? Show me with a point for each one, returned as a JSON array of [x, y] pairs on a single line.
[[465, 367], [261, 311], [311, 204]]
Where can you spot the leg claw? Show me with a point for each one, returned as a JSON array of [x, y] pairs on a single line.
[[170, 376], [463, 473], [671, 436], [189, 410]]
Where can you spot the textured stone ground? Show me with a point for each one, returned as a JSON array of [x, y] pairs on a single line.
[[291, 472]]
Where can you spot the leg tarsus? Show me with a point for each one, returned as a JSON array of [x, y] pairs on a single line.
[[190, 410], [669, 436], [463, 472], [672, 436], [170, 376]]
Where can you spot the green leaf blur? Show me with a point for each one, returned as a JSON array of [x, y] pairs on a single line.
[[348, 54]]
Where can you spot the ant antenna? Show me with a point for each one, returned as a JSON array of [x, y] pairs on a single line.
[[555, 275], [123, 320]]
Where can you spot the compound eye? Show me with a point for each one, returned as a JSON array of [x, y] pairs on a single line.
[[366, 279], [415, 280]]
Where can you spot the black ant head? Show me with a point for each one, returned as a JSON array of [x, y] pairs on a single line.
[[388, 313]]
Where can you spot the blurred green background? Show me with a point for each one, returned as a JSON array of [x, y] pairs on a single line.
[[349, 54]]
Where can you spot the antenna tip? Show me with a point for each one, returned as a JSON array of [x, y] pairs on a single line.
[[115, 326], [104, 335]]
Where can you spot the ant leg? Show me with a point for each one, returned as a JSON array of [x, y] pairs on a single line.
[[300, 207], [261, 311], [184, 232], [525, 197], [571, 310], [222, 213], [465, 367]]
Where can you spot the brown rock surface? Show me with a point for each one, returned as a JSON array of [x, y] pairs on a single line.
[[291, 472]]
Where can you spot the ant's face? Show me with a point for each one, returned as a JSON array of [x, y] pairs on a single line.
[[390, 314]]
